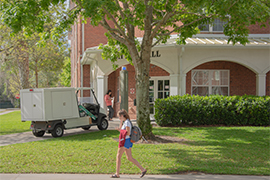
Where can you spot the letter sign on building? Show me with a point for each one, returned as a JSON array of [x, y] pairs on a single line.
[[154, 54]]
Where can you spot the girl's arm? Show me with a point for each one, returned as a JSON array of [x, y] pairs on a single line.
[[120, 126], [128, 130]]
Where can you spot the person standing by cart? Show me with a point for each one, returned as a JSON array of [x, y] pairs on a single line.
[[108, 101], [125, 145]]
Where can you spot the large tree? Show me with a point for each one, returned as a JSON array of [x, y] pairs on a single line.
[[26, 61], [156, 18]]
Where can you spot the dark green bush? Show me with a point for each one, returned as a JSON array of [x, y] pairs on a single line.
[[213, 110]]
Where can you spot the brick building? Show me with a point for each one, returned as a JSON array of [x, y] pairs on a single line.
[[205, 65]]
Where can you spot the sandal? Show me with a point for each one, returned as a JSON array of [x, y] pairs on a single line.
[[143, 173], [115, 176]]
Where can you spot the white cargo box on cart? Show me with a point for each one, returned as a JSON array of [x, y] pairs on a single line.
[[48, 104]]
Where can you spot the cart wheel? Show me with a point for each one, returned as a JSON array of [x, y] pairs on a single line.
[[103, 124], [39, 133], [58, 131], [86, 128]]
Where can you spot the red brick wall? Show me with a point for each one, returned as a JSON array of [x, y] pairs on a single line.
[[112, 84], [242, 79], [86, 79], [268, 83], [93, 36], [256, 29]]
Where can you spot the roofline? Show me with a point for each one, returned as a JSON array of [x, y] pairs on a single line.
[[95, 49], [211, 45]]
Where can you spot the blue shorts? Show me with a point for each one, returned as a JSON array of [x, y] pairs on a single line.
[[128, 144]]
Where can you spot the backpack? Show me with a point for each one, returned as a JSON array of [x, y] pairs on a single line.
[[135, 134]]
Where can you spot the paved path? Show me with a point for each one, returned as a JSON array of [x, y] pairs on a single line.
[[29, 137], [5, 111], [126, 177]]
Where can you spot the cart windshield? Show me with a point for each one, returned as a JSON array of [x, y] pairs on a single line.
[[89, 96]]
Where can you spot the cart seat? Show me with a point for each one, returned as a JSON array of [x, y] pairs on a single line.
[[92, 108]]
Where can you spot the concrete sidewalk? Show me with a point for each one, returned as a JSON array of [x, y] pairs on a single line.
[[126, 177], [9, 110]]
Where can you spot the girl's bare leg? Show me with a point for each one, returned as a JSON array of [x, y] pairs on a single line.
[[134, 161], [118, 159]]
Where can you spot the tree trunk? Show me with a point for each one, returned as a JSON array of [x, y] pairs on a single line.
[[24, 72], [142, 94], [142, 102], [23, 64], [36, 73]]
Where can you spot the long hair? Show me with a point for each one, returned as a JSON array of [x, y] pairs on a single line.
[[124, 113], [109, 92]]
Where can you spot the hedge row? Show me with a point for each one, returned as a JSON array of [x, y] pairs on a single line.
[[213, 110]]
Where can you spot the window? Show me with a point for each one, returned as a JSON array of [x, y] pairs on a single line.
[[217, 26], [163, 89], [205, 82]]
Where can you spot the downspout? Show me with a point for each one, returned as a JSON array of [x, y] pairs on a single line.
[[76, 55], [82, 56]]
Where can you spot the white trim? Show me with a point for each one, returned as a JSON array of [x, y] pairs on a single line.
[[109, 70], [209, 41], [219, 41], [192, 40], [267, 69], [200, 40], [221, 58], [261, 84], [223, 36], [102, 86]]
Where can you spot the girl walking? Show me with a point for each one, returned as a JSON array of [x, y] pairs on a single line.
[[125, 129]]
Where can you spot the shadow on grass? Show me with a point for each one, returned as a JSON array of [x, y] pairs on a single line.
[[221, 150]]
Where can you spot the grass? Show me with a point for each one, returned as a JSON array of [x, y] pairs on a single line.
[[218, 150], [11, 123]]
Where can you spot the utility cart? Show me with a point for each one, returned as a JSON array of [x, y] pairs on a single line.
[[52, 110]]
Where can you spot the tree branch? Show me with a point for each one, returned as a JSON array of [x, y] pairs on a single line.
[[120, 31], [120, 10], [130, 27], [180, 27], [160, 23], [107, 26], [79, 2], [112, 32], [156, 42]]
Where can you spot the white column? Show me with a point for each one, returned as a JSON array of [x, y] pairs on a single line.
[[183, 84], [182, 75], [261, 84], [174, 84], [102, 87]]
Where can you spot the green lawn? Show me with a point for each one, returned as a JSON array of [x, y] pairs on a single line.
[[11, 123], [218, 150]]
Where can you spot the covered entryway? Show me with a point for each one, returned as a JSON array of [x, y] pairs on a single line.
[[159, 87]]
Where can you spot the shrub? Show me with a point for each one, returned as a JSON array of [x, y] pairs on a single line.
[[213, 110]]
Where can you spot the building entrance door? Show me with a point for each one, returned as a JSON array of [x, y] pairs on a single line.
[[159, 87]]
